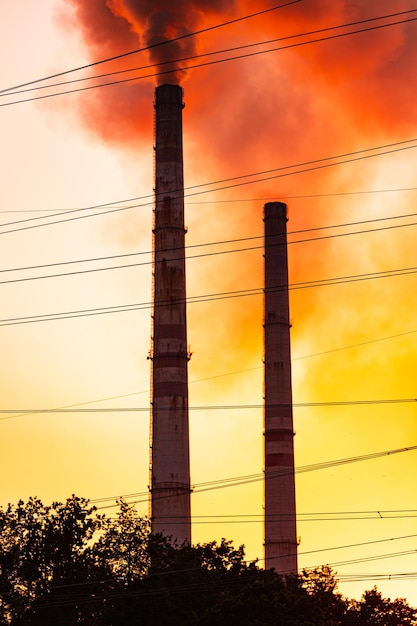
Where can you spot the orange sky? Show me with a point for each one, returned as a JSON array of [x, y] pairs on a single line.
[[268, 111]]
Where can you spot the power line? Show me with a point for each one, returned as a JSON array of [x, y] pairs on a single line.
[[152, 46], [82, 209], [241, 518], [355, 345], [217, 52], [256, 291], [126, 395], [308, 166], [229, 241], [209, 63], [197, 587], [229, 201], [325, 549], [257, 519], [308, 196], [308, 356], [306, 169], [372, 558], [354, 578], [222, 407], [244, 480], [111, 595], [200, 245], [124, 594], [350, 576], [176, 572]]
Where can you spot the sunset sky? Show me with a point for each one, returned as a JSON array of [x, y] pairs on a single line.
[[282, 115]]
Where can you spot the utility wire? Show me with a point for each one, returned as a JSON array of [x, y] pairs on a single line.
[[123, 208], [222, 407], [176, 572], [152, 46], [308, 166], [201, 245], [259, 519], [126, 395], [217, 52], [111, 595], [240, 518], [233, 201], [371, 558], [355, 345], [354, 578], [209, 63], [189, 257], [325, 282], [305, 356], [244, 480]]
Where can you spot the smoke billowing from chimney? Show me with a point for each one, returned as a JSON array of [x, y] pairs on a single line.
[[153, 22], [306, 84]]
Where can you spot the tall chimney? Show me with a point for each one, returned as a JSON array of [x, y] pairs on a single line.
[[279, 494], [169, 457]]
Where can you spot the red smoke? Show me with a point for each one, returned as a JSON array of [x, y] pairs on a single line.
[[265, 111], [306, 96], [158, 22]]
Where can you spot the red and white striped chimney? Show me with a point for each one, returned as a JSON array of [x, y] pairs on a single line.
[[279, 491], [169, 463]]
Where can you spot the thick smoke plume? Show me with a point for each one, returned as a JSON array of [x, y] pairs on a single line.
[[272, 110], [158, 22], [113, 27], [363, 82], [267, 111]]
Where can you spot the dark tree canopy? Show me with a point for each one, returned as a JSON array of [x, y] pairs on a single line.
[[65, 564]]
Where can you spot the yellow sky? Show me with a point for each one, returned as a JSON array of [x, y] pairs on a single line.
[[350, 342]]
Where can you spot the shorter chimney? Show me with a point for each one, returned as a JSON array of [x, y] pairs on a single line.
[[279, 493]]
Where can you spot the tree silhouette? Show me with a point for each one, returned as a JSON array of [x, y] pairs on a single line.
[[66, 564], [375, 610]]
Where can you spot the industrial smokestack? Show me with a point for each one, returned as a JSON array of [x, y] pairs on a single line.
[[170, 463], [280, 522]]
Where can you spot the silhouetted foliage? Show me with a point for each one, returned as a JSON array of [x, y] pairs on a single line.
[[65, 564], [376, 610], [321, 585]]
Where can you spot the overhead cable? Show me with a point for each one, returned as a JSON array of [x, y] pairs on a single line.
[[217, 52], [307, 166], [152, 46], [305, 196], [197, 256], [244, 480], [215, 62], [211, 407], [211, 297]]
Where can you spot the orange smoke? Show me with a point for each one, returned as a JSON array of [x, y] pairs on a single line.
[[310, 100], [158, 22], [261, 112]]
